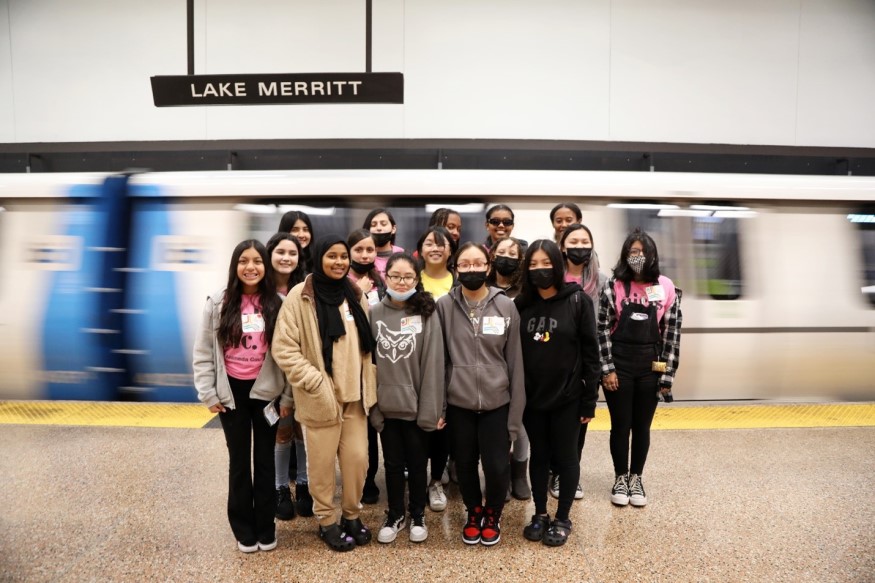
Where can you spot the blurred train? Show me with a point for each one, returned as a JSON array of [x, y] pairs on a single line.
[[104, 276]]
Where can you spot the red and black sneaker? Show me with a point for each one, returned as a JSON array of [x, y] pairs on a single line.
[[490, 532], [471, 532]]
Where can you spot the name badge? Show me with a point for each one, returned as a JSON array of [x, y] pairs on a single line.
[[373, 297], [655, 293], [411, 324], [493, 325], [640, 316], [347, 313], [253, 323]]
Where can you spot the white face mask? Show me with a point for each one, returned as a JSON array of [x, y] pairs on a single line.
[[636, 263], [400, 296]]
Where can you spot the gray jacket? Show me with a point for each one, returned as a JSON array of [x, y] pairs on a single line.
[[208, 363], [410, 366], [484, 365]]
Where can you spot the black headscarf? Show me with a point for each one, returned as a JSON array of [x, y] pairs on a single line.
[[330, 294]]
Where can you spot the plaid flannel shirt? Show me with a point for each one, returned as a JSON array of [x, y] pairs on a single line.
[[670, 326]]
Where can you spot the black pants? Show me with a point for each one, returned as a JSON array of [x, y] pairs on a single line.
[[632, 406], [480, 437], [405, 445], [251, 504], [553, 436], [581, 441], [373, 454], [438, 453]]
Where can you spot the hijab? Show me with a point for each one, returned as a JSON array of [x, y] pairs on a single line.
[[330, 293]]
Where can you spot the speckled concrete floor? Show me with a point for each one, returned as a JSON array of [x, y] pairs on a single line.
[[127, 504]]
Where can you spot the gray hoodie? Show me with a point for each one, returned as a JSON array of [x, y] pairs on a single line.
[[484, 365], [410, 366]]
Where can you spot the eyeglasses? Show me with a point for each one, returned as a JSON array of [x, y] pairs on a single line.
[[479, 266], [406, 279], [496, 222]]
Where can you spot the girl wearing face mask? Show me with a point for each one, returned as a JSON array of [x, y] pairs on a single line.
[[561, 356], [236, 377], [562, 216], [323, 343], [507, 274], [499, 224], [298, 223], [485, 390], [284, 250], [381, 224], [639, 328], [410, 391]]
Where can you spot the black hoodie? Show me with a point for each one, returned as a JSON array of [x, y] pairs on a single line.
[[560, 352]]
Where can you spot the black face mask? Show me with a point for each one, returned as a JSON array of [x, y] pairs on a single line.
[[505, 265], [578, 255], [381, 239], [472, 280], [542, 278], [360, 268]]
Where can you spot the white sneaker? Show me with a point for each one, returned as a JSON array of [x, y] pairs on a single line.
[[553, 486], [620, 491], [578, 494], [246, 548], [437, 500], [390, 529], [267, 546], [637, 497], [418, 529]]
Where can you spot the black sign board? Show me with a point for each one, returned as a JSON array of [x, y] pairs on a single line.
[[173, 90]]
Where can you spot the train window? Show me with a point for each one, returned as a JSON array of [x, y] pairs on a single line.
[[865, 221], [716, 257]]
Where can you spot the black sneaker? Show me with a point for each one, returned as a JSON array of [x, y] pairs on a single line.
[[285, 508], [620, 491], [490, 533], [358, 531], [637, 496], [371, 493], [389, 532], [304, 502], [471, 533]]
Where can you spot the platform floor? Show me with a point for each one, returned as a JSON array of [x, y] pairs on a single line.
[[128, 503]]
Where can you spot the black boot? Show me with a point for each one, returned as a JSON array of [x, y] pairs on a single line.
[[519, 482], [285, 508], [304, 502], [371, 493]]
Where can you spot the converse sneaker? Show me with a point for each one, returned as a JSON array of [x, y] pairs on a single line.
[[390, 528], [285, 508], [620, 491], [637, 497], [437, 500], [490, 534], [418, 530], [471, 532], [578, 493], [267, 545], [247, 548], [553, 487]]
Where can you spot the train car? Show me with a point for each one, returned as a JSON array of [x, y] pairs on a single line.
[[777, 271]]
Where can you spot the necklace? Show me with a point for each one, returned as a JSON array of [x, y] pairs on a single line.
[[473, 309]]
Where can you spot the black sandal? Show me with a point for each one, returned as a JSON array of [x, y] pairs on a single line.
[[534, 530], [557, 534], [358, 531], [336, 539]]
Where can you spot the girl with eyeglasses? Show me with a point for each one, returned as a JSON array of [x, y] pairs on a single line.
[[433, 249], [410, 391], [235, 376], [639, 328], [485, 390], [561, 355], [323, 343], [381, 224], [499, 224]]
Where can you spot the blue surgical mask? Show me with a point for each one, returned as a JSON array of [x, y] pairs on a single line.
[[400, 296]]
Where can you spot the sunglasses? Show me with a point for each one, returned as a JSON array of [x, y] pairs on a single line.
[[496, 222]]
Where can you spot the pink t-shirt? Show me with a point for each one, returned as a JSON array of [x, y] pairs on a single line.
[[663, 295], [572, 279], [380, 262], [244, 361]]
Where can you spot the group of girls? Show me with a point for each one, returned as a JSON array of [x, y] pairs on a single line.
[[481, 355]]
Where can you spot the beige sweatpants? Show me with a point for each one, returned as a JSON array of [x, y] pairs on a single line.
[[347, 442]]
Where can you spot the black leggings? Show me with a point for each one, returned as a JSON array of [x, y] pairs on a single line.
[[632, 406], [405, 445], [553, 438], [480, 436]]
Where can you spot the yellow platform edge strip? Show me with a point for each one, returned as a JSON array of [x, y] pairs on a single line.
[[668, 417]]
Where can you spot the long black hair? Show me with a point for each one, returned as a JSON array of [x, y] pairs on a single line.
[[379, 211], [288, 221], [354, 239], [299, 272], [651, 272], [230, 331], [441, 237], [590, 279], [529, 292], [421, 303]]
